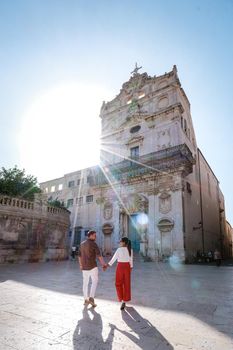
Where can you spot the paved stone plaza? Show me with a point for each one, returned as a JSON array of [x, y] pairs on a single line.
[[174, 307]]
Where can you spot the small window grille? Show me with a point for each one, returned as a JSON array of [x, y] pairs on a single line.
[[71, 184], [70, 202], [89, 198]]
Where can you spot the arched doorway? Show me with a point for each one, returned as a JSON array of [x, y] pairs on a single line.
[[135, 219]]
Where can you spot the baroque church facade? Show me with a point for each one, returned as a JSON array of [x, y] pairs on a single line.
[[153, 184]]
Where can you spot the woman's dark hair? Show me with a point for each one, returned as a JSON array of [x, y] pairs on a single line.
[[127, 242]]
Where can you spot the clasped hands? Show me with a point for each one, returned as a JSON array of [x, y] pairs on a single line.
[[105, 266]]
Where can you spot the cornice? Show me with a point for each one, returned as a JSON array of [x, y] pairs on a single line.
[[135, 139], [165, 110]]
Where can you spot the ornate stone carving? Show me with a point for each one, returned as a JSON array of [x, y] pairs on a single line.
[[108, 209], [135, 83], [176, 187], [153, 191], [165, 203], [100, 200], [165, 225], [107, 228], [135, 203]]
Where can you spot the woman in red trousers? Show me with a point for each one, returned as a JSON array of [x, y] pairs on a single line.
[[124, 257]]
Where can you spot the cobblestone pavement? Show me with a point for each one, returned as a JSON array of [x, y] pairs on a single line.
[[173, 307]]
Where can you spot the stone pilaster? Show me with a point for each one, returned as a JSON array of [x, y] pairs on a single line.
[[152, 236]]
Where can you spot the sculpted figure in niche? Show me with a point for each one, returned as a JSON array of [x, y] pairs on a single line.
[[108, 208], [164, 203]]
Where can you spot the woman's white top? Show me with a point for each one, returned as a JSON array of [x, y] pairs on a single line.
[[122, 255]]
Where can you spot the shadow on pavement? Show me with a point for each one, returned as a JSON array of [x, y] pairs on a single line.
[[88, 332], [142, 332], [203, 292]]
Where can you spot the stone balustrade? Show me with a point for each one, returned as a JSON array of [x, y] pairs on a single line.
[[16, 202], [32, 230]]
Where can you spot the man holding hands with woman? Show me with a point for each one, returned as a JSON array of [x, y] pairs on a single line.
[[89, 251]]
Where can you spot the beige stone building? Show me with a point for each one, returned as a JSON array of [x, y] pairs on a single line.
[[153, 184]]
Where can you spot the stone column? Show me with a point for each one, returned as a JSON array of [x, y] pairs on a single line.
[[152, 252], [120, 223], [117, 219], [177, 231], [125, 225]]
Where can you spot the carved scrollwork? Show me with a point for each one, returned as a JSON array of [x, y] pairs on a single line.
[[153, 191], [135, 203]]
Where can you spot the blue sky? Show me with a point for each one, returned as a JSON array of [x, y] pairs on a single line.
[[45, 44]]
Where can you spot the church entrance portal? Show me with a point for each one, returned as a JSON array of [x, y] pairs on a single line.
[[134, 219]]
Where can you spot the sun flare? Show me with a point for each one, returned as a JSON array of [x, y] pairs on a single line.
[[60, 131]]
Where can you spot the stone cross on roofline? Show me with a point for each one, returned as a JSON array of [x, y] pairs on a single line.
[[136, 69]]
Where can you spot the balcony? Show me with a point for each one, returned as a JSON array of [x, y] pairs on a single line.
[[155, 162]]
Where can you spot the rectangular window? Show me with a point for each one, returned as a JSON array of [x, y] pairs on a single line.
[[79, 200], [78, 182], [134, 152], [46, 189], [71, 184], [70, 202], [60, 187], [52, 188], [77, 236], [89, 198], [90, 180]]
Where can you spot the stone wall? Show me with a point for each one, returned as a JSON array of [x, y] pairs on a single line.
[[32, 231]]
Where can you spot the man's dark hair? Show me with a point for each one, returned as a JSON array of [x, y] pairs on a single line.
[[90, 233]]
